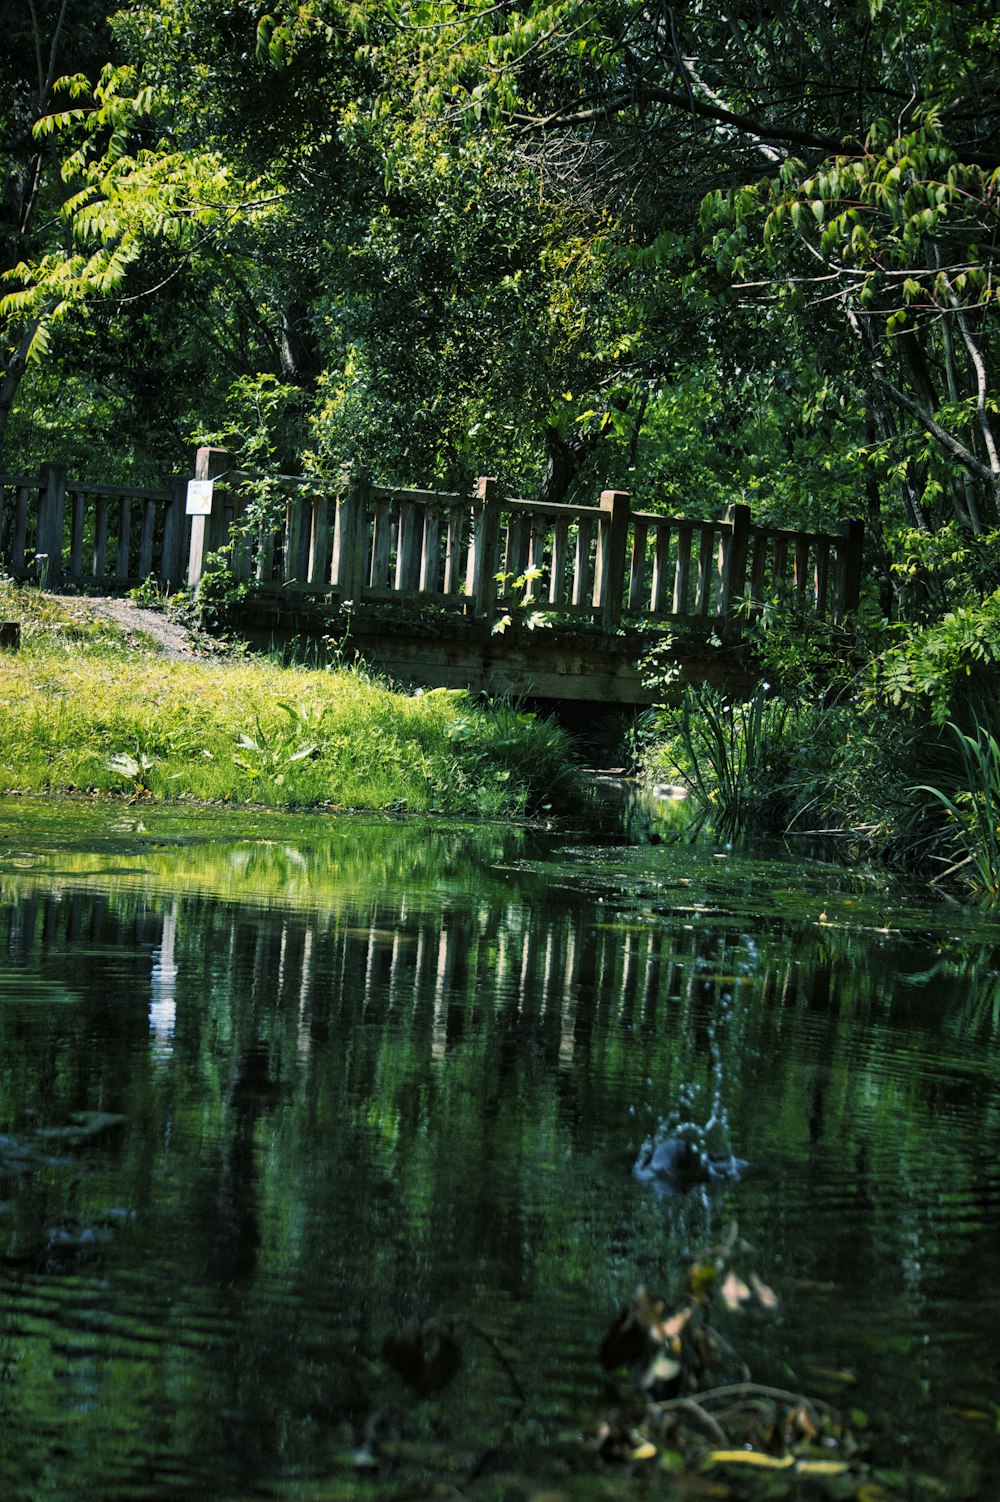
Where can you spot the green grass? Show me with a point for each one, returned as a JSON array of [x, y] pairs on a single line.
[[86, 708]]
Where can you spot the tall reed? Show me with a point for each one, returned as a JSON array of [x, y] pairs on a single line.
[[974, 810]]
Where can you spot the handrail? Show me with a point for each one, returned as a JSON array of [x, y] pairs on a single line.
[[478, 554]]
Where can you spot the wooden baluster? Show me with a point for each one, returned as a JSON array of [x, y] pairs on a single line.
[[101, 536], [581, 593], [124, 539], [76, 523], [382, 538], [19, 540], [780, 564], [758, 572], [660, 568], [452, 562], [821, 574], [537, 539], [516, 553], [637, 599], [707, 576], [296, 541], [267, 536], [801, 566], [408, 550], [319, 543], [146, 537], [682, 570], [560, 556], [430, 552]]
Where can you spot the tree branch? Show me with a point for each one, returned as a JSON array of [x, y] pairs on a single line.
[[948, 442]]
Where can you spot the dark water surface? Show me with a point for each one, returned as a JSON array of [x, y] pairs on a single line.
[[271, 1088]]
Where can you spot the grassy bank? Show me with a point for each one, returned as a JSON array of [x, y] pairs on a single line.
[[88, 707]]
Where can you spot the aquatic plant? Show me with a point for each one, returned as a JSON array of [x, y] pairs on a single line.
[[734, 758], [973, 810]]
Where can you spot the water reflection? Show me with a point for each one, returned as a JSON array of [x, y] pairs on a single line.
[[307, 1083]]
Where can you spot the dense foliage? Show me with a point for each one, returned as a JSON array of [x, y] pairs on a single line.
[[701, 252]]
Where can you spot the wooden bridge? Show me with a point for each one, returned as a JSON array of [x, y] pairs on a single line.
[[440, 589]]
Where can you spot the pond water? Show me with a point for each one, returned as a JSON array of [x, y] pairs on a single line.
[[270, 1088]]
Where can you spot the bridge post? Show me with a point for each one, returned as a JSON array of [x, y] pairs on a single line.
[[734, 568], [49, 529], [609, 580], [207, 532], [485, 544], [352, 565], [174, 518], [850, 547]]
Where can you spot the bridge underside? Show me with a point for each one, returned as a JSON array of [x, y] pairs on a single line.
[[580, 666]]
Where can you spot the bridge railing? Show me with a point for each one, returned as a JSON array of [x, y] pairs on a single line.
[[476, 554], [55, 530]]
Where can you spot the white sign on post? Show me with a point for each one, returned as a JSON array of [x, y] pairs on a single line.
[[199, 498]]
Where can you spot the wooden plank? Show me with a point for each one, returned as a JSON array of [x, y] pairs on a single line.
[[758, 571], [780, 561], [637, 599], [49, 525], [801, 565], [384, 520], [704, 602], [452, 563], [538, 533], [353, 540], [611, 585], [417, 497], [734, 544], [267, 537], [296, 542], [660, 568], [319, 543], [19, 543], [101, 536], [682, 569], [516, 550], [241, 539], [551, 509], [408, 547], [430, 552], [76, 521], [124, 539], [850, 563], [172, 546], [821, 575], [149, 516], [483, 554], [560, 557], [581, 593], [121, 492]]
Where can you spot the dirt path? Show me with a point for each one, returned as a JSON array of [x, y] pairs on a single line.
[[173, 638]]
